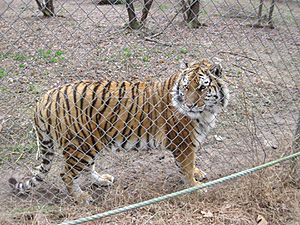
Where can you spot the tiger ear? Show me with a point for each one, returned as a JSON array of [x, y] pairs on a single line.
[[217, 70], [183, 65]]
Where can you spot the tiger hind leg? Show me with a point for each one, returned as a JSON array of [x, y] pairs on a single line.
[[69, 177], [72, 173], [75, 163]]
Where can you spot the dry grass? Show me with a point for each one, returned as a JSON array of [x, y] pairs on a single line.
[[268, 193]]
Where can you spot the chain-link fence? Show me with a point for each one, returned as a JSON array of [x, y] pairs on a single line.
[[136, 96]]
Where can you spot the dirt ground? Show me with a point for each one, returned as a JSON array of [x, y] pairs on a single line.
[[87, 41]]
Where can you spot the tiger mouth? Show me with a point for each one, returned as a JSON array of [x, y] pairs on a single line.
[[188, 110], [178, 97]]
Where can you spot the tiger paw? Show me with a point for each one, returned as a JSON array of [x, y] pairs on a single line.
[[199, 174], [83, 198], [102, 180], [106, 180], [194, 183]]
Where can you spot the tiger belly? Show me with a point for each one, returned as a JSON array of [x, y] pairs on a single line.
[[130, 143]]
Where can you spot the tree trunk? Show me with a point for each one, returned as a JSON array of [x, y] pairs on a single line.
[[270, 20], [146, 9], [259, 24], [46, 7], [133, 22], [107, 2], [259, 15], [191, 10]]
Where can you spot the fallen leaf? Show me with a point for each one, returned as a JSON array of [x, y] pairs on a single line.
[[261, 220], [270, 144], [219, 138], [207, 214]]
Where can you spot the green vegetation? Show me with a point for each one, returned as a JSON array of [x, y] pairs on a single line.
[[22, 66], [163, 7], [34, 89], [146, 58], [183, 50], [59, 53], [15, 153], [239, 73], [3, 73], [3, 55], [51, 56], [178, 57], [20, 57], [15, 56], [29, 148], [46, 54], [127, 52], [3, 89]]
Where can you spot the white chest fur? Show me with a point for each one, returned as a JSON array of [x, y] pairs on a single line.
[[203, 125]]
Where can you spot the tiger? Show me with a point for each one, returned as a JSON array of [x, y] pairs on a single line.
[[85, 117]]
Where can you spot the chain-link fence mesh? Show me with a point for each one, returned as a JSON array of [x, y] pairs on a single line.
[[257, 44]]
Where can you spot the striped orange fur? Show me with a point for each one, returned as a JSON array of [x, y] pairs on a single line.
[[87, 116]]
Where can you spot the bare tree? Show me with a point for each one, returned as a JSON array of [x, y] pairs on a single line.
[[133, 21], [146, 9], [108, 2], [190, 10], [46, 6], [260, 16], [271, 10]]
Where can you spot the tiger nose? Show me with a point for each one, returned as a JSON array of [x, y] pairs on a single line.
[[191, 105], [206, 81]]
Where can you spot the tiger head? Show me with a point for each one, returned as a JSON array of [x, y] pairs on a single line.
[[200, 88]]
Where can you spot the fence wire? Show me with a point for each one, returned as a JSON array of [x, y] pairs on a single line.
[[135, 106]]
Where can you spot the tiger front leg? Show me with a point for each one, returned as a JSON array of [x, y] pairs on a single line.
[[185, 160], [200, 175], [79, 159]]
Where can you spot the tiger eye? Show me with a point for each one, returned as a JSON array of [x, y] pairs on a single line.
[[201, 88]]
